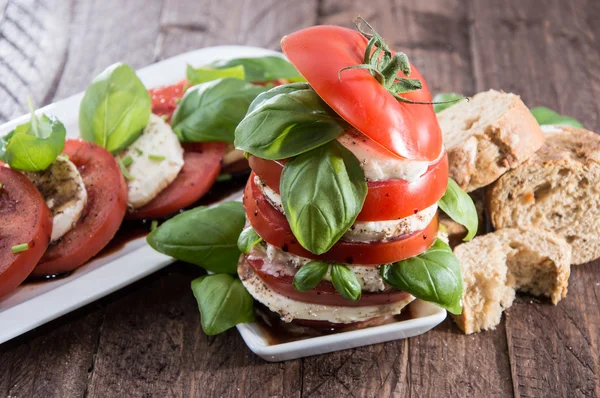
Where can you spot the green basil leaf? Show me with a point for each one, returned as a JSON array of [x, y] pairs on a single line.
[[287, 121], [309, 275], [201, 75], [263, 69], [205, 236], [211, 111], [459, 206], [545, 115], [446, 100], [433, 276], [345, 282], [322, 192], [35, 145], [248, 239], [223, 302], [115, 108]]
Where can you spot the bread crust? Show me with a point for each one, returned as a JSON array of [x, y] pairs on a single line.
[[493, 147], [556, 189]]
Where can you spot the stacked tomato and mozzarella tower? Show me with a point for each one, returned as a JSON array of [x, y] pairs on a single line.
[[399, 148]]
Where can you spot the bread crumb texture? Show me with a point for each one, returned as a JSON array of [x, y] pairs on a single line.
[[491, 133], [557, 189], [496, 265]]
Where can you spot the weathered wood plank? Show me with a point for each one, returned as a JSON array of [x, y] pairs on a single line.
[[33, 48], [549, 55]]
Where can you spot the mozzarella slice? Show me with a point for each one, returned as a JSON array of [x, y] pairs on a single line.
[[155, 158], [62, 187], [367, 231], [290, 309], [378, 163]]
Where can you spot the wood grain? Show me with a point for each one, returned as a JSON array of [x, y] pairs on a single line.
[[553, 350]]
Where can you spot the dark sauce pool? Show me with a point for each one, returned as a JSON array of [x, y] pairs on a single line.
[[277, 331]]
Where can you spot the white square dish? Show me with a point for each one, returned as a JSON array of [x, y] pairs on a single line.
[[34, 304]]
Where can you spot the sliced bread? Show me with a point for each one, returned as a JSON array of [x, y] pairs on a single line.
[[495, 265], [491, 133], [557, 189]]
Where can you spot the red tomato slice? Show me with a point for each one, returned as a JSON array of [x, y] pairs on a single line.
[[273, 227], [201, 167], [386, 200], [324, 293], [165, 98], [25, 219], [102, 216], [409, 130]]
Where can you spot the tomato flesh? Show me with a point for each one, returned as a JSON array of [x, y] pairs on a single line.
[[25, 220], [165, 99], [386, 200], [324, 293], [273, 227], [102, 215], [201, 167], [410, 131]]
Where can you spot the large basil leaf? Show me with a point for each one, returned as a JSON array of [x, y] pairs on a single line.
[[115, 108], [248, 239], [433, 276], [211, 111], [200, 75], [34, 145], [459, 206], [309, 275], [345, 282], [544, 115], [262, 69], [322, 191], [223, 302], [443, 101], [205, 236], [287, 121]]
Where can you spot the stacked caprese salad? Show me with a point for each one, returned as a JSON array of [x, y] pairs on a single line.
[[62, 200], [348, 172]]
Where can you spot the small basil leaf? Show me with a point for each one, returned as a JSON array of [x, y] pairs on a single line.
[[211, 111], [345, 282], [459, 206], [263, 69], [223, 302], [115, 108], [248, 239], [309, 276], [322, 192], [205, 236], [446, 101], [287, 121], [433, 276], [34, 145], [201, 75], [544, 115]]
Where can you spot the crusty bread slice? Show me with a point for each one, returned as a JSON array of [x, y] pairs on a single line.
[[497, 264], [486, 136], [557, 189]]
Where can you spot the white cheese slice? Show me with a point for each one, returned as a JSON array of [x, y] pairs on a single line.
[[62, 187], [379, 164], [155, 158], [367, 231], [290, 309]]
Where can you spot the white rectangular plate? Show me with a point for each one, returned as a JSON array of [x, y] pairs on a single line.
[[34, 304]]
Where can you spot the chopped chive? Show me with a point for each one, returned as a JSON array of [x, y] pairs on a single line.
[[224, 177], [1, 186], [65, 156], [156, 158], [164, 117], [153, 225], [139, 151], [124, 170], [20, 248], [127, 161]]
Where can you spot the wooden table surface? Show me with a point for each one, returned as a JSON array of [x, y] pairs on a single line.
[[146, 339]]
